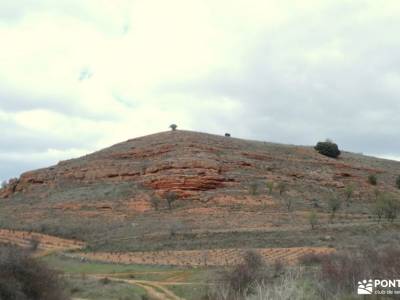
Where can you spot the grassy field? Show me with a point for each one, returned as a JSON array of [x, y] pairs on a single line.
[[94, 280]]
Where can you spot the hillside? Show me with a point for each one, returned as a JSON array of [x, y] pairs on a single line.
[[115, 199]]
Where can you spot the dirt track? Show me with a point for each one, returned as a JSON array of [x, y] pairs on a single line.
[[46, 243]]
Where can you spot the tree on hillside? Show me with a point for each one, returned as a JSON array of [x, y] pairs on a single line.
[[398, 182], [313, 219], [282, 186], [372, 179], [288, 202], [334, 205], [270, 187], [173, 127], [253, 188], [386, 206], [170, 197], [239, 281], [378, 208], [328, 148], [155, 201], [348, 192], [391, 207]]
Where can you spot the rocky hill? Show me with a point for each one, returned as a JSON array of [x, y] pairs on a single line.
[[218, 184]]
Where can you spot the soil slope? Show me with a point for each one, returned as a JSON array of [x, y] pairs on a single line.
[[115, 199]]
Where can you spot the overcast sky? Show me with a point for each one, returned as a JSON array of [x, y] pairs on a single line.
[[79, 75]]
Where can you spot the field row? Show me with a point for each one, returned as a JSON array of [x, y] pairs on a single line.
[[214, 257], [44, 243]]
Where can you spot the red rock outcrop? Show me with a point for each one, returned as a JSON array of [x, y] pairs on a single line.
[[191, 163]]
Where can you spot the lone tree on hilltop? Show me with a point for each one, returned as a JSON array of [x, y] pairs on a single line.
[[328, 148], [173, 127]]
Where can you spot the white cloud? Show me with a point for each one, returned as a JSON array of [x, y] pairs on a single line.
[[289, 71]]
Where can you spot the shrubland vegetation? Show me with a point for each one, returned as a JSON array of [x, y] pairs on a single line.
[[318, 276], [24, 278]]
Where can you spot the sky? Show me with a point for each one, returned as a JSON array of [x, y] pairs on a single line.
[[80, 75]]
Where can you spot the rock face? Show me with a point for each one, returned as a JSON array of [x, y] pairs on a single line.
[[196, 164]]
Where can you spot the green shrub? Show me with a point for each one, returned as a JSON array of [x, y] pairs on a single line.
[[372, 179], [328, 148]]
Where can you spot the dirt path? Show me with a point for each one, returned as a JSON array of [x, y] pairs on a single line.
[[45, 243], [155, 289]]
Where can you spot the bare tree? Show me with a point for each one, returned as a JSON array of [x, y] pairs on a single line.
[[349, 194], [34, 243], [288, 202], [170, 197], [334, 205], [270, 187], [313, 219], [155, 201], [282, 187]]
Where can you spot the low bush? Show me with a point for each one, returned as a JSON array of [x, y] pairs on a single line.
[[372, 179], [240, 281], [105, 280], [310, 259], [340, 272], [24, 278]]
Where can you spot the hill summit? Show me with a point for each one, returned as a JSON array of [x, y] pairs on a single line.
[[196, 180]]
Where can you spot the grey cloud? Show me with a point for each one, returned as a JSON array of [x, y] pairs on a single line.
[[13, 101], [287, 97], [14, 168]]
